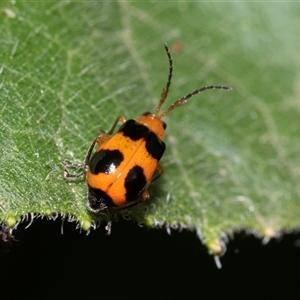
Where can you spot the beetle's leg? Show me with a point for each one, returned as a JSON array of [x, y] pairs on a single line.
[[144, 196], [89, 153], [119, 119], [83, 166], [72, 165], [68, 165], [160, 171], [109, 223]]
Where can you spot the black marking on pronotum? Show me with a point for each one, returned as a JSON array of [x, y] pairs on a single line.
[[98, 200], [155, 146], [135, 182], [105, 161], [134, 130]]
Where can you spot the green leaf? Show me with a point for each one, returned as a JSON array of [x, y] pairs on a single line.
[[67, 70]]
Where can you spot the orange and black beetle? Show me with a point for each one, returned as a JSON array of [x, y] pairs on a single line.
[[121, 169]]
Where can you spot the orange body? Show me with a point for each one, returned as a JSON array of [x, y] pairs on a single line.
[[134, 153]]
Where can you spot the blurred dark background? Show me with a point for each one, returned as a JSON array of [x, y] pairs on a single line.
[[141, 263]]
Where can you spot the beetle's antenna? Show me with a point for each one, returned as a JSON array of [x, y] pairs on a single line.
[[165, 90], [184, 99]]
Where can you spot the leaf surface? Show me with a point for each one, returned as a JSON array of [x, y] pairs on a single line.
[[67, 70]]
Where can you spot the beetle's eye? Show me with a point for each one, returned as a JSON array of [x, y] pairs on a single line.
[[164, 125], [147, 113]]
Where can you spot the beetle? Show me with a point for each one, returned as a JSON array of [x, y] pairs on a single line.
[[118, 173]]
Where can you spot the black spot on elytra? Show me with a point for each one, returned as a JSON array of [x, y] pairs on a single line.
[[105, 161], [135, 183], [155, 146], [134, 130]]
